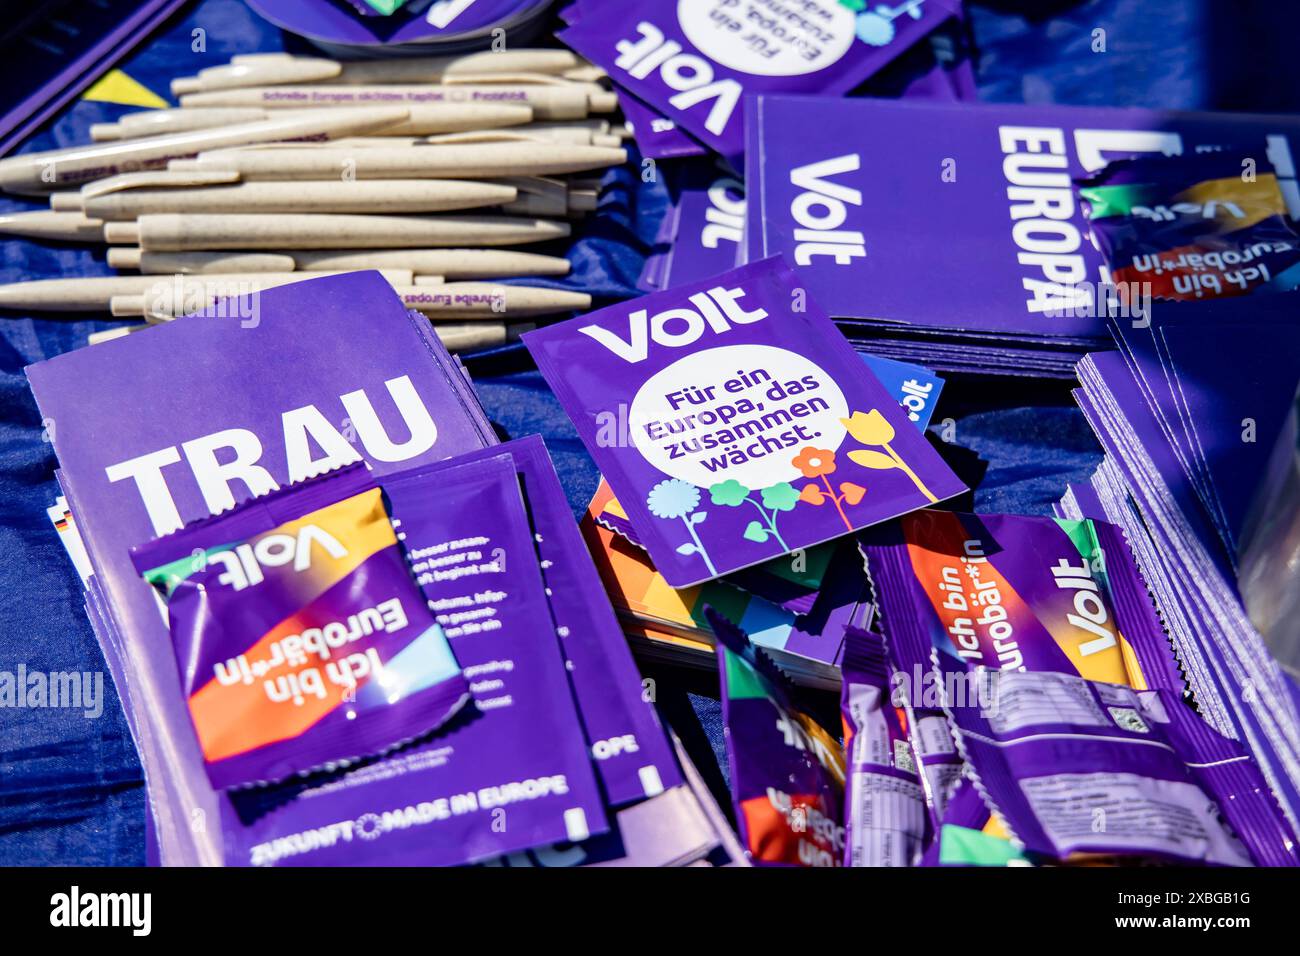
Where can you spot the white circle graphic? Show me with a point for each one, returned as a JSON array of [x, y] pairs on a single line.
[[752, 36], [759, 401]]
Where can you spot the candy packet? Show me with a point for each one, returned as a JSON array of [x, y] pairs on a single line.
[[970, 835], [300, 636], [696, 61], [1005, 591], [787, 773], [885, 819], [736, 400], [1017, 593], [668, 625], [1205, 225], [1077, 767], [511, 772]]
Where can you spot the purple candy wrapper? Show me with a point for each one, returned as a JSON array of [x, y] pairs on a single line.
[[1017, 592], [787, 773], [1210, 225], [512, 773], [696, 61], [628, 743], [1084, 767], [970, 835], [980, 588], [300, 636], [738, 388], [884, 805]]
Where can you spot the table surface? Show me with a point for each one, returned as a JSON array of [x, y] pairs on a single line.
[[70, 787]]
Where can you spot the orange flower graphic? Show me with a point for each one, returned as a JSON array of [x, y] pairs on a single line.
[[818, 463], [814, 462]]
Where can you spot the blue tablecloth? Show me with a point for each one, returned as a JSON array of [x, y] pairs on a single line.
[[70, 789]]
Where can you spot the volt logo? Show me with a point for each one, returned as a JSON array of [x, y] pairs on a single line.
[[725, 217], [1089, 607], [690, 75], [821, 209], [242, 566], [716, 310]]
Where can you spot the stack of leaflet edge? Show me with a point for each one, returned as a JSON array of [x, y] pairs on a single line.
[[1183, 456]]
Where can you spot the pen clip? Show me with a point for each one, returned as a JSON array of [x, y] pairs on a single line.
[[482, 136], [158, 179], [537, 185]]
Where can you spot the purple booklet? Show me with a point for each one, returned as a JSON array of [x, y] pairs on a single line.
[[188, 418], [627, 741], [1234, 429], [959, 217], [736, 400]]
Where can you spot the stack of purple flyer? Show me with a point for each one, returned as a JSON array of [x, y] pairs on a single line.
[[195, 416], [1187, 411], [682, 70], [950, 235]]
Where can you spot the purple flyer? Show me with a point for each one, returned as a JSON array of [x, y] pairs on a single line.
[[735, 424], [960, 216], [697, 59]]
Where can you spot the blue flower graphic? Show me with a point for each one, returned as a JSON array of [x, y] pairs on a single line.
[[673, 498]]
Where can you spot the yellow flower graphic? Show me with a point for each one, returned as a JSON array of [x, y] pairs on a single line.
[[873, 429]]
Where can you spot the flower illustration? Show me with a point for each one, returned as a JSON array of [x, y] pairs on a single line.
[[876, 27], [730, 493], [818, 463], [733, 494], [873, 429], [780, 497], [673, 498], [814, 462], [870, 428]]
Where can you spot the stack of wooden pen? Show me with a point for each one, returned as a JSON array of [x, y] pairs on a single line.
[[277, 168]]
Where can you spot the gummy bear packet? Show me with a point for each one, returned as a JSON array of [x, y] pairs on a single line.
[[885, 821], [631, 750], [1005, 591], [511, 772], [1206, 225], [1077, 767], [787, 772], [1016, 592], [301, 639]]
